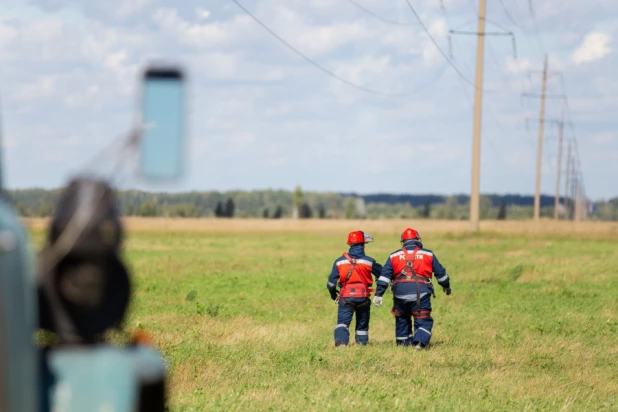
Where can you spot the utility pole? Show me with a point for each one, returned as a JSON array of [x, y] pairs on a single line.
[[559, 167], [539, 160], [567, 187], [577, 214], [478, 104], [480, 34], [539, 157]]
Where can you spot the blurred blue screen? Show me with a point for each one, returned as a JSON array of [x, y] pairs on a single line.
[[163, 118]]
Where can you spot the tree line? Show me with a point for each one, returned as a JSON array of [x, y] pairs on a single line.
[[275, 204]]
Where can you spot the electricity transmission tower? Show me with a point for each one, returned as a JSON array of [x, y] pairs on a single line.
[[539, 156]]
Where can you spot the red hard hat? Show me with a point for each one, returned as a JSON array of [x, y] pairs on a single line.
[[410, 234], [358, 236]]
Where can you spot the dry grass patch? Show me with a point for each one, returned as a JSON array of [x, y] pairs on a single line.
[[389, 227]]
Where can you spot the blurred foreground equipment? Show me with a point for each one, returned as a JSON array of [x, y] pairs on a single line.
[[84, 291], [18, 356], [83, 287]]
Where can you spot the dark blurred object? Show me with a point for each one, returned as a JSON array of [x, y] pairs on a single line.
[[84, 286], [84, 291]]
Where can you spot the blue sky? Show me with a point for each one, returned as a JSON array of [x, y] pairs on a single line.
[[261, 117]]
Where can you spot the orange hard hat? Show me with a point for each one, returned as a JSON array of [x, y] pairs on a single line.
[[359, 236], [410, 234]]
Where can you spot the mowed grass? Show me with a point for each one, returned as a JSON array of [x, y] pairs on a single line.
[[244, 320]]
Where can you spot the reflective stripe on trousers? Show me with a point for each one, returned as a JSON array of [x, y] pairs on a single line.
[[422, 325], [344, 319]]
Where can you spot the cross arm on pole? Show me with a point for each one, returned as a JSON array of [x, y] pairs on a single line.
[[552, 121], [483, 34], [536, 120], [476, 33], [549, 74], [547, 96]]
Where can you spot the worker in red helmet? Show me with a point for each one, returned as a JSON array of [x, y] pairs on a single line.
[[410, 269], [352, 272]]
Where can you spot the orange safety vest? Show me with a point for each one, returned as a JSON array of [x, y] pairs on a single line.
[[416, 266], [412, 266], [355, 277]]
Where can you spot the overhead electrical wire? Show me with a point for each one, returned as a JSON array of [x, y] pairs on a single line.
[[542, 50], [435, 43], [487, 136], [488, 108], [330, 72], [541, 45], [510, 17], [490, 52], [377, 16], [508, 14], [524, 31]]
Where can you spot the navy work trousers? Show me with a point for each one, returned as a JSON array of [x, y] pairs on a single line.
[[347, 308], [402, 309]]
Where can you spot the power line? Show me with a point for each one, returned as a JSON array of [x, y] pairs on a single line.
[[508, 14], [536, 29], [435, 43], [491, 114], [451, 38], [496, 64], [330, 72], [377, 16], [488, 108]]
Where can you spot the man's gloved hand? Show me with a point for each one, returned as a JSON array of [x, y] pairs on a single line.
[[448, 291], [333, 294], [377, 301]]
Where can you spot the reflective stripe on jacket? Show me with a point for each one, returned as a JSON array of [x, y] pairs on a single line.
[[422, 263], [355, 277]]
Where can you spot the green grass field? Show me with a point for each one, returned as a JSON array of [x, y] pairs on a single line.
[[245, 321]]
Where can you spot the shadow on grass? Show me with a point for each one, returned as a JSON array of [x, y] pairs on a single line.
[[392, 344]]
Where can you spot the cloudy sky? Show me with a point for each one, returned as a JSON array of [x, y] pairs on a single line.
[[263, 117]]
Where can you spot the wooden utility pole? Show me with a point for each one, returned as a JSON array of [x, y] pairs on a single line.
[[539, 157], [478, 104], [559, 171], [578, 206], [567, 185]]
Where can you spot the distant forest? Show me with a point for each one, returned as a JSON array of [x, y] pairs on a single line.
[[274, 204]]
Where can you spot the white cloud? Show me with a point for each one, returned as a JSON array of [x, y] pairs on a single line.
[[518, 66], [438, 30], [604, 138], [203, 36], [7, 34], [325, 39], [202, 14], [44, 86], [131, 8], [259, 106], [594, 47], [356, 70]]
